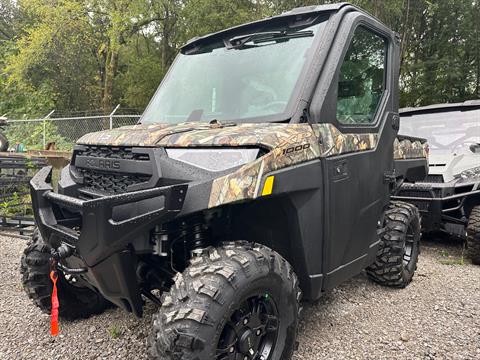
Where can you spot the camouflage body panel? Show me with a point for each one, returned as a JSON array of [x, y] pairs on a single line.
[[270, 136], [137, 135], [245, 182], [195, 135], [288, 145], [313, 142], [408, 149], [333, 142]]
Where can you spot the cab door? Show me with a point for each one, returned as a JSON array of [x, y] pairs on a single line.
[[363, 106]]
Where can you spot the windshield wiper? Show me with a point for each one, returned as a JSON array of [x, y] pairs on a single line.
[[241, 41]]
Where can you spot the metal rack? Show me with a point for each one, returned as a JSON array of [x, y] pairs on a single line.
[[15, 206]]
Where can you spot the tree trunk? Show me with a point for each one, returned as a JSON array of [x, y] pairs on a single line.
[[166, 37], [110, 72], [405, 34]]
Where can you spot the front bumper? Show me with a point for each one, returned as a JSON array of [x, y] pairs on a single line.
[[441, 205], [100, 240]]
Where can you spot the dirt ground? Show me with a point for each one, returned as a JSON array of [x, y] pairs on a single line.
[[436, 317]]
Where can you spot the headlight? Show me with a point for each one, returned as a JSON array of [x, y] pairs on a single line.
[[214, 159], [471, 173]]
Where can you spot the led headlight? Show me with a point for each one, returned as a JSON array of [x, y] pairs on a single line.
[[214, 159], [471, 173]]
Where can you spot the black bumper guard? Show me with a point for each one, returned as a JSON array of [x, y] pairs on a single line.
[[101, 242]]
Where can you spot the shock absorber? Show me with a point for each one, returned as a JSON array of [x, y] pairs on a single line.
[[200, 237]]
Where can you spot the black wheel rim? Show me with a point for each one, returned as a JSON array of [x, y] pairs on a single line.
[[251, 331], [410, 249]]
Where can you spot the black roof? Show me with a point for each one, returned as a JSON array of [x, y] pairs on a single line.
[[464, 106], [294, 12]]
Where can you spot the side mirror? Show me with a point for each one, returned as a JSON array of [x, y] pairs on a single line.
[[475, 148]]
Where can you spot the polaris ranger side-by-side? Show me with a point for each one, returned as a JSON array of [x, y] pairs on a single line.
[[261, 170], [449, 198]]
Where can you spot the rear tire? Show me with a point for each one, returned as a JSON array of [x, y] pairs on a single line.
[[399, 246], [75, 301], [473, 236], [216, 307], [3, 143]]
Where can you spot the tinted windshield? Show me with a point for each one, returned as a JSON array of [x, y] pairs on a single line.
[[252, 82], [446, 132]]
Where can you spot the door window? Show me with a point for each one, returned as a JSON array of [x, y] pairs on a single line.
[[362, 78]]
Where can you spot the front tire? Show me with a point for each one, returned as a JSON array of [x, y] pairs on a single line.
[[75, 301], [237, 301], [473, 236], [397, 256]]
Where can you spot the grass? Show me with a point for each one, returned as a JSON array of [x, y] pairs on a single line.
[[453, 261], [447, 259], [444, 253], [115, 332]]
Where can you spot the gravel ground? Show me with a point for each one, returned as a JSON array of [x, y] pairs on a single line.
[[436, 317]]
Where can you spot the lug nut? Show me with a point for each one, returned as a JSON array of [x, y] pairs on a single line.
[[232, 349], [259, 332], [245, 321]]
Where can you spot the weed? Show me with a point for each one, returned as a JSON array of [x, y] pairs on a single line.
[[115, 332], [453, 261]]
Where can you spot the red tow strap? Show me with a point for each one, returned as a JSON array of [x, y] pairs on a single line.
[[55, 305]]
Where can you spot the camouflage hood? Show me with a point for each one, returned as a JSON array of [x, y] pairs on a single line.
[[268, 135]]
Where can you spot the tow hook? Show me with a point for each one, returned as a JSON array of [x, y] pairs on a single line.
[[63, 252]]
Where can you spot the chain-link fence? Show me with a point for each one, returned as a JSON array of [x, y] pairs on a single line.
[[63, 132]]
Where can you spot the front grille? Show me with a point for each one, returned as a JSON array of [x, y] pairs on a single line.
[[422, 205], [437, 179], [108, 152], [110, 182], [416, 193]]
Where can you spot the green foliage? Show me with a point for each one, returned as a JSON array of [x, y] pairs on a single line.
[[114, 331], [85, 54], [138, 82], [15, 204], [31, 135]]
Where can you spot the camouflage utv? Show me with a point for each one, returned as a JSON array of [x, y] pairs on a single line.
[[261, 172]]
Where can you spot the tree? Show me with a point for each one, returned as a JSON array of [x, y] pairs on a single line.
[[54, 52], [89, 54]]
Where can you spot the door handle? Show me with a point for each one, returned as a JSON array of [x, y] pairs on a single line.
[[340, 170]]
